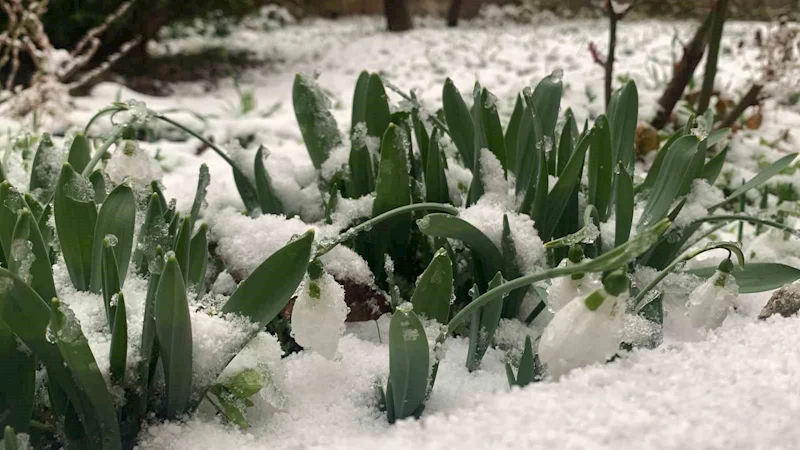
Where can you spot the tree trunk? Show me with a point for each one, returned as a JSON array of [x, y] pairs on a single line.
[[453, 13], [397, 16]]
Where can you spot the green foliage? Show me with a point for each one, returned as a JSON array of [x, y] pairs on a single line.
[[76, 217], [317, 125], [408, 365]]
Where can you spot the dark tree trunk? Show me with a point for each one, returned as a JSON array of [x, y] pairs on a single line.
[[453, 13], [398, 17]]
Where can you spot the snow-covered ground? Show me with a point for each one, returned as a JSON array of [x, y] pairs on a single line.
[[731, 389]]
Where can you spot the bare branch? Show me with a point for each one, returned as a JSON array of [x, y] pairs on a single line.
[[97, 71], [94, 32]]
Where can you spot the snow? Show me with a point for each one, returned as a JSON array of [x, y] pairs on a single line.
[[723, 388]]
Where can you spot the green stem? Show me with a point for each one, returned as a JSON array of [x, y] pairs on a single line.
[[418, 105], [101, 113], [612, 259], [637, 302], [750, 219], [440, 207], [98, 155], [211, 145]]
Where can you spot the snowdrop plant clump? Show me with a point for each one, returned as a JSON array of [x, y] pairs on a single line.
[[451, 221]]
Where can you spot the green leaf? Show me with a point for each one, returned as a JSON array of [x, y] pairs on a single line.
[[149, 348], [28, 256], [247, 193], [717, 136], [28, 316], [17, 381], [198, 259], [436, 189], [270, 287], [10, 203], [623, 112], [459, 122], [757, 277], [448, 226], [117, 218], [547, 100], [79, 153], [408, 362], [492, 129], [530, 149], [183, 246], [119, 342], [512, 134], [152, 233], [567, 182], [539, 207], [10, 441], [203, 180], [377, 111], [232, 407], [489, 319], [109, 273], [76, 217], [713, 167], [760, 178], [392, 191], [610, 260], [435, 289], [527, 365], [670, 179], [174, 332], [421, 133], [359, 113], [601, 167], [99, 184], [267, 198], [512, 381], [65, 330], [624, 206], [44, 171], [317, 125], [655, 168], [569, 139], [246, 383]]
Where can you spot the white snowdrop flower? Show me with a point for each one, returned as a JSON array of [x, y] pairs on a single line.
[[130, 163], [710, 302], [564, 289], [587, 330], [319, 313]]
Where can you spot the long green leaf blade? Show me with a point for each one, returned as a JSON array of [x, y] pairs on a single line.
[[670, 179], [198, 260], [757, 277], [408, 362], [436, 189], [760, 178], [76, 217], [317, 125], [267, 198], [601, 167], [29, 257], [174, 332], [624, 206], [435, 288], [623, 112], [562, 191], [17, 381], [459, 122], [117, 218], [270, 287], [79, 153], [447, 226], [44, 170], [78, 357], [118, 356]]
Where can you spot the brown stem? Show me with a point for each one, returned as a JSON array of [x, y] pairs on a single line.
[[692, 54], [613, 18], [453, 13], [751, 98]]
